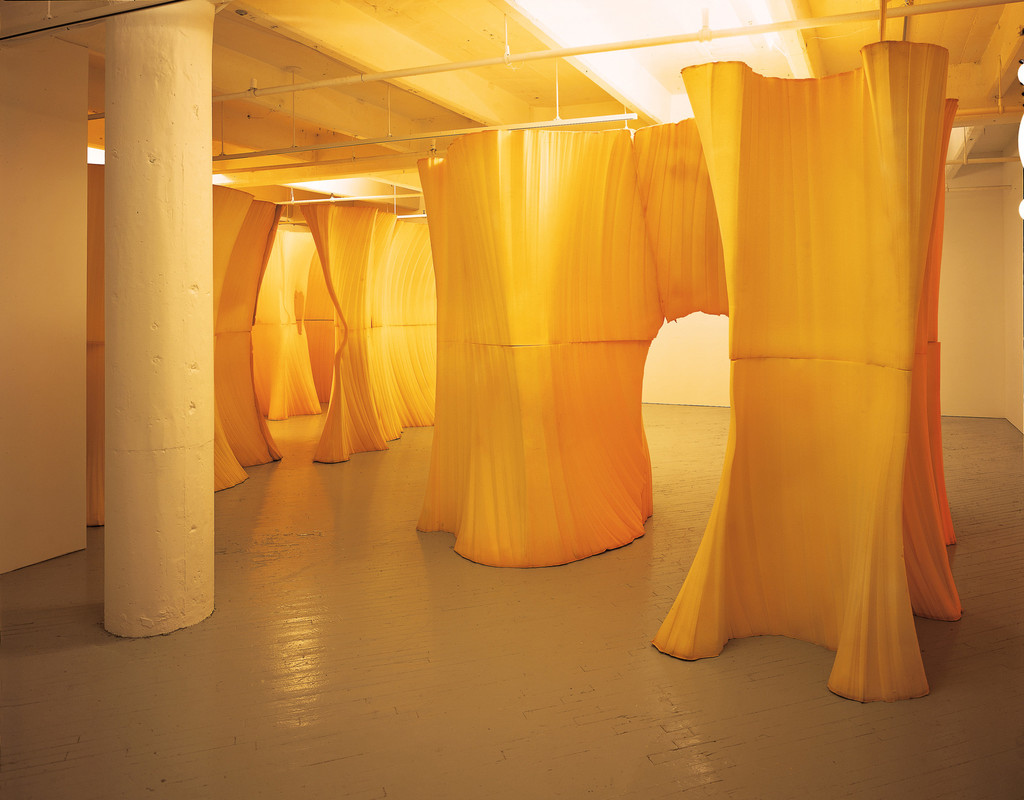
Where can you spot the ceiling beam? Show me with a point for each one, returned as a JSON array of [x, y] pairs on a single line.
[[986, 82], [802, 54], [367, 43], [374, 166]]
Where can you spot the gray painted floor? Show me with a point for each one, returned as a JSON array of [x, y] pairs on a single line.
[[352, 657]]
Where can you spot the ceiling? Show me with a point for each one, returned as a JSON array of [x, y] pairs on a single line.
[[263, 44]]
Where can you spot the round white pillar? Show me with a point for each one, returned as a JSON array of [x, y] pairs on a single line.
[[158, 539]]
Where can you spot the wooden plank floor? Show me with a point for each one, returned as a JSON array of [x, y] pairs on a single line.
[[352, 657]]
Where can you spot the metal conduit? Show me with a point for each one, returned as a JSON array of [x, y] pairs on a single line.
[[553, 123]]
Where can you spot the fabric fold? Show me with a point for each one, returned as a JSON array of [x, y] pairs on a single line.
[[546, 305], [825, 193]]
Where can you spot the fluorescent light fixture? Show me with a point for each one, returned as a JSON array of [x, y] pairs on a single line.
[[221, 180], [421, 215]]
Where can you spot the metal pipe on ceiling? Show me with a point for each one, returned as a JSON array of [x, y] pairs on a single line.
[[553, 123], [634, 44]]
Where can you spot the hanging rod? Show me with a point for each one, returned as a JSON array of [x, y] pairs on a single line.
[[703, 35], [343, 199], [555, 123]]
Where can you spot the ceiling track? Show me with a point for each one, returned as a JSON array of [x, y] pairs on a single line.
[[703, 35]]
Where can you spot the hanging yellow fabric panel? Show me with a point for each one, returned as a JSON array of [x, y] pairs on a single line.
[[411, 319], [927, 504], [825, 193], [547, 302], [353, 244], [926, 517], [682, 223], [284, 376], [229, 209], [319, 326], [244, 427], [376, 348]]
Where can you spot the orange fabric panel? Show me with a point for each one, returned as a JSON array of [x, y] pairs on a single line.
[[557, 220], [318, 324], [246, 430], [284, 376], [546, 305], [682, 223], [229, 209], [353, 246], [935, 440], [925, 452], [825, 191], [412, 323], [532, 465]]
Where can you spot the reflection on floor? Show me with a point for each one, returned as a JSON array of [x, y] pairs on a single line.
[[352, 657]]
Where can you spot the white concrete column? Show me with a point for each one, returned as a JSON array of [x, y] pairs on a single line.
[[159, 320]]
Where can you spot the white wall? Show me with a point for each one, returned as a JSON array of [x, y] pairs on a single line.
[[973, 325], [42, 282], [688, 363]]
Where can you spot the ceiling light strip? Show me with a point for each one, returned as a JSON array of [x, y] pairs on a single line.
[[635, 44], [555, 123]]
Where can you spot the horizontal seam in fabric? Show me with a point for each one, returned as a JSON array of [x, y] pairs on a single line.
[[830, 360]]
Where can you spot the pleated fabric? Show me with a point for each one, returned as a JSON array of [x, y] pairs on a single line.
[[411, 320], [682, 223], [926, 503], [825, 194], [229, 209], [319, 326], [547, 303], [353, 245], [926, 516], [284, 376], [244, 426], [243, 231]]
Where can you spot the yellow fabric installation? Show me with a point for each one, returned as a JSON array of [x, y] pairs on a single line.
[[229, 209], [319, 325], [353, 244], [95, 338], [926, 517], [547, 302], [284, 377], [244, 427], [682, 223], [925, 474], [411, 321], [379, 371], [825, 193]]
